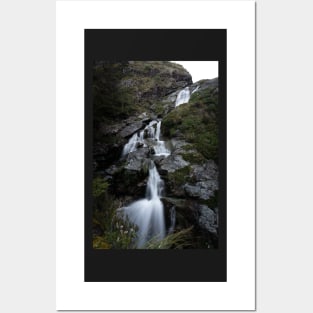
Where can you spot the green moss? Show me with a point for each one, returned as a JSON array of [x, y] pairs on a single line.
[[193, 157], [197, 122], [99, 187], [158, 108], [180, 176]]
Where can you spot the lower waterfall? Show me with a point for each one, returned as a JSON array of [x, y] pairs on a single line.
[[148, 213]]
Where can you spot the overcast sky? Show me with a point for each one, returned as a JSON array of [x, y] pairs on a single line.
[[200, 69]]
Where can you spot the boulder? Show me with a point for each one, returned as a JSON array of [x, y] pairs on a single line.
[[172, 163], [138, 160], [203, 190], [203, 182], [131, 129], [208, 219], [204, 172]]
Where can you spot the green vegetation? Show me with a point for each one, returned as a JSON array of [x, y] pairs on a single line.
[[176, 240], [110, 101], [159, 108], [99, 187], [122, 89], [180, 176], [193, 157], [111, 229], [197, 122]]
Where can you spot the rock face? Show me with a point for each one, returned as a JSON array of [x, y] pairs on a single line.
[[128, 96], [131, 129], [205, 179], [208, 219], [137, 160], [172, 164]]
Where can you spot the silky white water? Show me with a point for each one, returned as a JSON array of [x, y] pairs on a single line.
[[183, 97], [131, 145], [160, 148], [152, 131], [148, 213]]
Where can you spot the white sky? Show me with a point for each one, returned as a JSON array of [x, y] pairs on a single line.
[[200, 69]]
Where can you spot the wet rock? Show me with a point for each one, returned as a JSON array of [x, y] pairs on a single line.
[[131, 129], [186, 211], [172, 163], [204, 181], [203, 190], [143, 115], [112, 170], [207, 171], [177, 144], [138, 160], [208, 219]]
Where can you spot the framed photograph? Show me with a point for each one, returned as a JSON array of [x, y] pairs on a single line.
[[155, 155]]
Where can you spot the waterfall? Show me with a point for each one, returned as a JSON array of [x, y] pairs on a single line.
[[153, 131], [160, 148], [158, 131], [183, 97], [148, 213], [131, 145]]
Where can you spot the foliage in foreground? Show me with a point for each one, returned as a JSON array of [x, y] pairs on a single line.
[[111, 229], [176, 240]]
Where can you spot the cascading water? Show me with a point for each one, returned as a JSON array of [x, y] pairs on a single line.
[[160, 148], [153, 131], [131, 145], [148, 213], [183, 97]]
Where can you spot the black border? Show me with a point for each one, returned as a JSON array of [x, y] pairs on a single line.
[[156, 265]]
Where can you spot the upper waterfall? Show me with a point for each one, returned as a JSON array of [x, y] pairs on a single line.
[[183, 97]]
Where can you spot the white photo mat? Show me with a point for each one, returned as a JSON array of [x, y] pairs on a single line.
[[238, 17]]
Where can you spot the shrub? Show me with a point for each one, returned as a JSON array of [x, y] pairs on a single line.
[[176, 240]]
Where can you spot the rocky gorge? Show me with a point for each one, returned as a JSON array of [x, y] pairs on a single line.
[[155, 157]]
